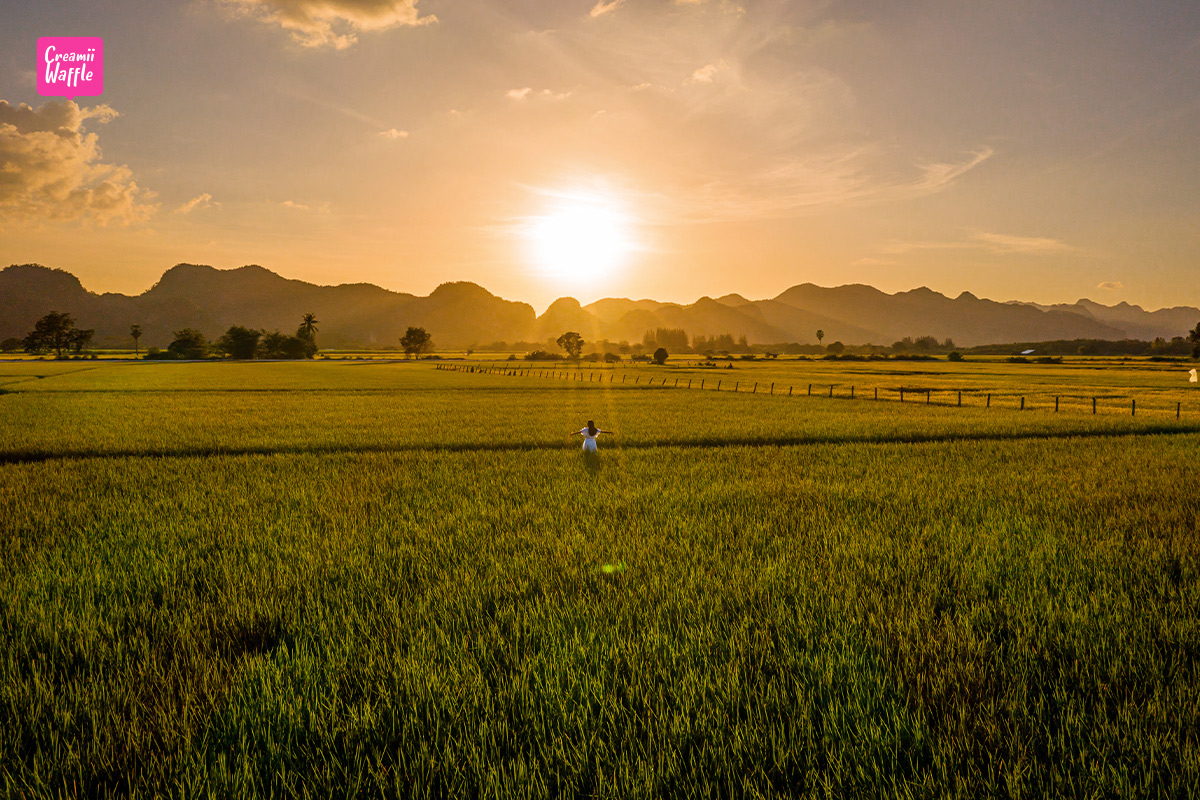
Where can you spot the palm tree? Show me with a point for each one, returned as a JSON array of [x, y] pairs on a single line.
[[136, 332], [820, 336], [308, 327]]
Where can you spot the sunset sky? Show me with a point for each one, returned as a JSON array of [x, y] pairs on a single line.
[[1040, 151]]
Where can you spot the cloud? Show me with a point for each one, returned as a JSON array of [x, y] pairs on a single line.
[[393, 133], [332, 23], [1110, 285], [603, 7], [1025, 245], [526, 92], [839, 176], [708, 72], [200, 201], [940, 174], [321, 209], [993, 243], [50, 168]]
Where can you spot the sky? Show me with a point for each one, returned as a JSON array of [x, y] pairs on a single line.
[[1038, 151]]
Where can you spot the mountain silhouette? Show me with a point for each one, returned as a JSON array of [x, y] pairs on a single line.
[[464, 315]]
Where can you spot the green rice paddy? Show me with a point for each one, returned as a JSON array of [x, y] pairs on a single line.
[[378, 579]]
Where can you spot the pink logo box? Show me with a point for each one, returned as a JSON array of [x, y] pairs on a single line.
[[70, 66]]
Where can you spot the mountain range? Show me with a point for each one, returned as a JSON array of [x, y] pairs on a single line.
[[465, 315]]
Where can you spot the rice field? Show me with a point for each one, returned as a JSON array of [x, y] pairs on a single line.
[[387, 580]]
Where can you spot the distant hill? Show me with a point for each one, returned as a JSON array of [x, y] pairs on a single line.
[[463, 314]]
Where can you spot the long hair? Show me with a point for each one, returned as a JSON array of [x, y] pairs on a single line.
[[592, 429]]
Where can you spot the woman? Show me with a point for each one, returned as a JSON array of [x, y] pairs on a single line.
[[589, 435]]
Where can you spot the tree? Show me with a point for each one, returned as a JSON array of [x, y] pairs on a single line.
[[837, 348], [1194, 338], [675, 338], [56, 332], [239, 342], [79, 340], [136, 332], [308, 328], [415, 341], [280, 345], [10, 345], [660, 356], [820, 336], [189, 343], [572, 343]]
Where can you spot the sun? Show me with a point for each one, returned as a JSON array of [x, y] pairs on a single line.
[[584, 237]]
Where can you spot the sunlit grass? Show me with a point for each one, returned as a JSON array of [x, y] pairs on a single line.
[[688, 614]]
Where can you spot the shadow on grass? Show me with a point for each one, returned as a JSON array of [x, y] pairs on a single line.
[[28, 457]]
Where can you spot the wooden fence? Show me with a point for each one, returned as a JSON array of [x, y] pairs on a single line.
[[923, 395]]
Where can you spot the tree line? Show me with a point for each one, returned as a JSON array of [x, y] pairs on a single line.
[[56, 333]]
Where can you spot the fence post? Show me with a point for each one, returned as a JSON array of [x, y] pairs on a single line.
[[718, 386], [1022, 403], [772, 388], [702, 384], [676, 383], [1056, 404], [901, 394], [1093, 405], [989, 402], [851, 392], [876, 392], [810, 390], [927, 396], [689, 383], [960, 398], [789, 391], [831, 390], [1133, 408]]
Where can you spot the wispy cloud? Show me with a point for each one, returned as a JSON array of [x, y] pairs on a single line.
[[849, 175], [601, 8], [987, 242], [321, 209], [1024, 245], [197, 203], [527, 93], [937, 175], [332, 23], [393, 133], [1110, 285], [50, 168], [708, 72]]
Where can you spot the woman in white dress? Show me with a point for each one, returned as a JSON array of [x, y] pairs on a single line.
[[589, 434]]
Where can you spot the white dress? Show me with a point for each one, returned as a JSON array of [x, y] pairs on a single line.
[[589, 441]]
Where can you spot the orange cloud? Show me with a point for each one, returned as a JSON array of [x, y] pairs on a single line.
[[51, 168], [332, 23], [199, 202]]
